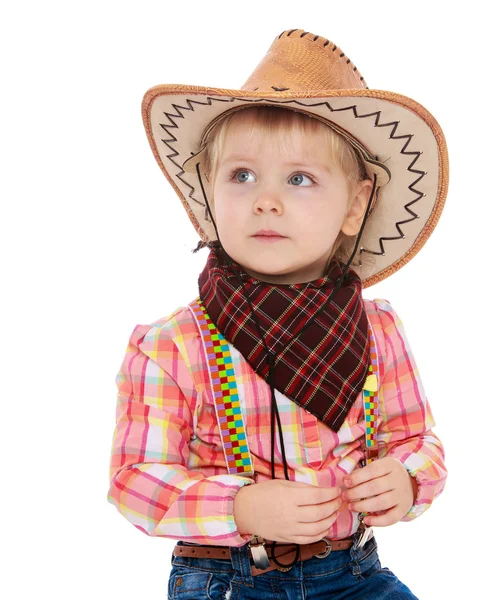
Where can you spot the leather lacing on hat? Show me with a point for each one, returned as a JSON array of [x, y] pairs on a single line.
[[270, 378], [289, 32]]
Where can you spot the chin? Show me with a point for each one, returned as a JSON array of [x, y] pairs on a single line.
[[267, 268], [265, 274]]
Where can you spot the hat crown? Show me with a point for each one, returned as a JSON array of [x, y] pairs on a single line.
[[300, 61]]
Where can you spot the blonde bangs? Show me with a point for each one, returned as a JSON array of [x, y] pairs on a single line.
[[280, 122]]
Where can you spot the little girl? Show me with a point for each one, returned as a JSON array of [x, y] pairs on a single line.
[[269, 424]]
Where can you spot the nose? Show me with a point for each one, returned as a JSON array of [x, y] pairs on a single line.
[[268, 201]]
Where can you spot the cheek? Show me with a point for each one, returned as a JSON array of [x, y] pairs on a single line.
[[223, 214], [323, 222], [227, 209], [218, 207], [227, 217]]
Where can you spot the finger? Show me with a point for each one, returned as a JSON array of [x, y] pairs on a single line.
[[318, 512], [370, 488], [313, 532], [318, 527], [382, 502], [316, 495], [389, 518], [378, 468]]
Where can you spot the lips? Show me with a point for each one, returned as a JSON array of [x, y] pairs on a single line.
[[268, 236], [268, 233]]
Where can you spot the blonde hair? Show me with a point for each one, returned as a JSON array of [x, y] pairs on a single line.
[[277, 120]]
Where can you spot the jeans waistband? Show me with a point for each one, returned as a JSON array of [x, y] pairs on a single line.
[[240, 563]]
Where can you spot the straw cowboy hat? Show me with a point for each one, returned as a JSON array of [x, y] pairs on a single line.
[[398, 138]]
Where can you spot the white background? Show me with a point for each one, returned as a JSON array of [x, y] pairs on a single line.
[[94, 241]]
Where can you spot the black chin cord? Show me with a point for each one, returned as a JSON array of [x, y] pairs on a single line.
[[272, 357], [271, 361]]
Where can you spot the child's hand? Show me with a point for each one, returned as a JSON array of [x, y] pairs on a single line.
[[286, 511], [383, 485]]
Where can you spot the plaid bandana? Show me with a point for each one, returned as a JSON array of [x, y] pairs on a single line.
[[321, 368]]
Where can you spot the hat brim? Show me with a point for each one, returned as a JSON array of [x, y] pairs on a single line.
[[399, 132]]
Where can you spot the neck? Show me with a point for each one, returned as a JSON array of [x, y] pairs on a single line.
[[306, 275]]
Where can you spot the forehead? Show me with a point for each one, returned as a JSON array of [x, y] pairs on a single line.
[[246, 133]]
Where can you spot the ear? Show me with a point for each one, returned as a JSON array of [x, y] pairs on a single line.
[[354, 217]]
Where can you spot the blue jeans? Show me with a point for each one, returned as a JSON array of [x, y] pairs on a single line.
[[343, 575]]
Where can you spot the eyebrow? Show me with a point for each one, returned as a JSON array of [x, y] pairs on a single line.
[[318, 165], [292, 163]]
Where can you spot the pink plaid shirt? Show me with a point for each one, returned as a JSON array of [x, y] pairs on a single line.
[[168, 472]]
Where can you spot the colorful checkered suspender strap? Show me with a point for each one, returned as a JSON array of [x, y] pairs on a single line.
[[371, 401], [225, 393], [227, 404]]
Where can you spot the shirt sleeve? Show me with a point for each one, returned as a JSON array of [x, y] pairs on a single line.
[[406, 420], [150, 483]]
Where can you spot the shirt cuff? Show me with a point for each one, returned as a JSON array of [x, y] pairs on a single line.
[[424, 497], [204, 512], [239, 539]]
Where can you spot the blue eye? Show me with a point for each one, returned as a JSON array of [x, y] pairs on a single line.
[[300, 178], [244, 176]]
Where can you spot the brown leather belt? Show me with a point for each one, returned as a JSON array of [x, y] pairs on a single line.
[[285, 553]]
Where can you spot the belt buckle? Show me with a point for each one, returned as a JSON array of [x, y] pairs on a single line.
[[259, 553], [327, 552]]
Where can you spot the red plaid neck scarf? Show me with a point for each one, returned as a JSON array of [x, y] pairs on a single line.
[[323, 367]]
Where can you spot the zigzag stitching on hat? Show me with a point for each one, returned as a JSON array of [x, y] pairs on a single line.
[[353, 108], [180, 115], [411, 187]]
